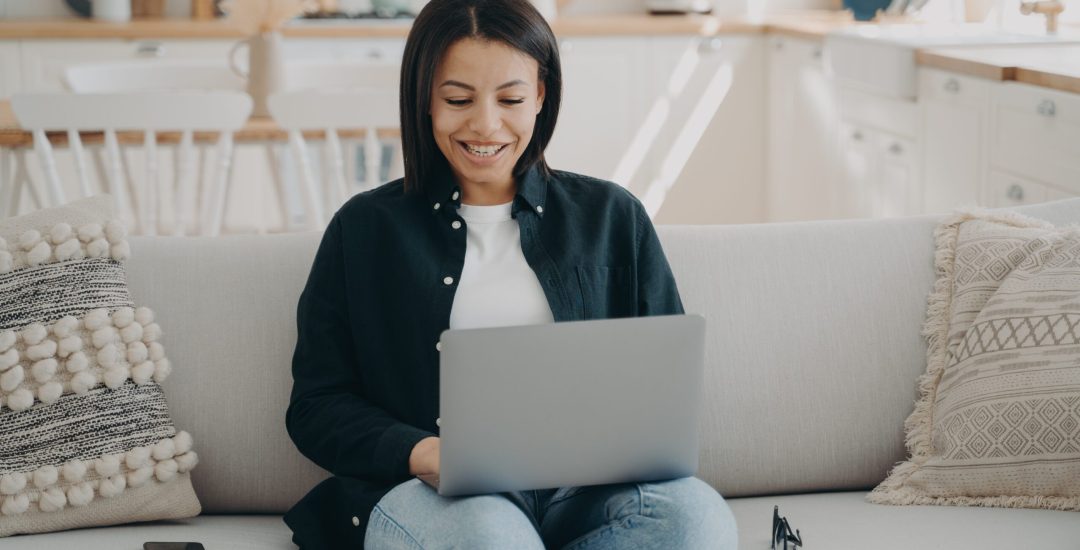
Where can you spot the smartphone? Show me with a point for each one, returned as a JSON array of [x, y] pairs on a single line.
[[172, 546]]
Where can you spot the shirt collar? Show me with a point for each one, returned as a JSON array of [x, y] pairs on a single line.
[[531, 192]]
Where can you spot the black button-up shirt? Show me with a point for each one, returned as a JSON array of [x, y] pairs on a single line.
[[366, 364]]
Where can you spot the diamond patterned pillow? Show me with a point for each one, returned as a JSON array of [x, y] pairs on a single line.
[[998, 419], [85, 434]]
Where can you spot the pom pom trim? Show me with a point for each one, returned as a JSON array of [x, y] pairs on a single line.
[[98, 355], [62, 243], [83, 481]]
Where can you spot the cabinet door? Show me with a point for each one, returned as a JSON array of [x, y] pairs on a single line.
[[802, 133], [1008, 190], [812, 191], [382, 50], [1036, 134], [953, 111], [603, 111], [10, 80], [858, 174], [44, 62], [780, 168], [710, 150], [897, 176]]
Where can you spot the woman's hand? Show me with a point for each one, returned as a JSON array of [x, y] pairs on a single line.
[[424, 459]]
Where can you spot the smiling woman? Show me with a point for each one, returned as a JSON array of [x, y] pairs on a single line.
[[479, 233]]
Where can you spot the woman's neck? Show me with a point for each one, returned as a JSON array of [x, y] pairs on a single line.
[[487, 194]]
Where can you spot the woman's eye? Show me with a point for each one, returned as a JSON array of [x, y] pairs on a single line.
[[457, 102], [513, 101]]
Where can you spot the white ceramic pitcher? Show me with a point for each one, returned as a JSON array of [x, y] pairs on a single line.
[[266, 68]]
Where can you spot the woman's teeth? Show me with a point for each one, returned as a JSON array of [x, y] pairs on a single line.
[[485, 150]]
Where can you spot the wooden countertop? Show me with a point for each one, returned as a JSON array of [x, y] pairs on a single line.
[[1055, 66], [812, 24]]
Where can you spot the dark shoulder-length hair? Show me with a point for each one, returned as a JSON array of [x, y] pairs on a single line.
[[439, 25]]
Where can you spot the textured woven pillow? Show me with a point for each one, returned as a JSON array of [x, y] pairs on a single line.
[[998, 419], [85, 434]]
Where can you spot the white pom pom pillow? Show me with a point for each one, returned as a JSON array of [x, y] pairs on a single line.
[[85, 433]]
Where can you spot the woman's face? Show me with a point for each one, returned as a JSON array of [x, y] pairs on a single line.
[[483, 108]]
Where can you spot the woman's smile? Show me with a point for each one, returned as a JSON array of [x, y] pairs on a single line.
[[484, 155]]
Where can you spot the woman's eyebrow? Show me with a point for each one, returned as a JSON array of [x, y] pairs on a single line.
[[510, 84]]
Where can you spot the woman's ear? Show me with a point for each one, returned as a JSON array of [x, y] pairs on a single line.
[[539, 96]]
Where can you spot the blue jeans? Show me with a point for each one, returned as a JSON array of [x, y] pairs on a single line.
[[684, 513]]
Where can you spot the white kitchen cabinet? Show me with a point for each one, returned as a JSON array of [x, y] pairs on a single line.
[[1005, 190], [879, 142], [953, 110], [674, 119], [896, 188], [802, 122], [10, 79], [1035, 134], [44, 61], [857, 168], [604, 107], [380, 50], [710, 150]]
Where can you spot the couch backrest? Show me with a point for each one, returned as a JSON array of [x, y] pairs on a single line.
[[813, 348]]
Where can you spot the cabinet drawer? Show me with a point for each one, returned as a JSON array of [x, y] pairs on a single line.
[[891, 115], [1008, 190], [953, 88], [1036, 134], [44, 62], [800, 51]]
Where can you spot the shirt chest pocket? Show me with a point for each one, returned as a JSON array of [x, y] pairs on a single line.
[[606, 291]]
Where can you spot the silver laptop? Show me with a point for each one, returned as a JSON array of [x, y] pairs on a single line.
[[569, 404]]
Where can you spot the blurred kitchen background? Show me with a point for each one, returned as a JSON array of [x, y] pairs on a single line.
[[710, 111]]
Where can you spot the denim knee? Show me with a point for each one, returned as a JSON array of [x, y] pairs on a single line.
[[692, 510], [414, 517]]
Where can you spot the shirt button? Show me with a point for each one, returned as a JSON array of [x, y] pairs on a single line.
[[455, 196], [355, 521], [448, 281], [438, 422], [539, 209], [456, 224], [436, 207], [438, 346]]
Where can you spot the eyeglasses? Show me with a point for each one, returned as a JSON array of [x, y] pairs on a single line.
[[782, 539]]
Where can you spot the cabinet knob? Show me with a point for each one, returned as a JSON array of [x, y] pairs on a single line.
[[1015, 192], [896, 149], [566, 46], [857, 135], [710, 45], [150, 49], [952, 85], [1046, 108], [778, 45], [816, 54], [375, 54]]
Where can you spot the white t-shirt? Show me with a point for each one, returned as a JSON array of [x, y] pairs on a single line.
[[497, 287]]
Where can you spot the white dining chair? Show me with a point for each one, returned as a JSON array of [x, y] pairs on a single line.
[[149, 113], [332, 97]]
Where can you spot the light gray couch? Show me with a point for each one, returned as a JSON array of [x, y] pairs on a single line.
[[812, 353]]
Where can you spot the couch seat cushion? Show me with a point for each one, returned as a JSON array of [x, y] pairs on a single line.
[[845, 521], [233, 532], [836, 521]]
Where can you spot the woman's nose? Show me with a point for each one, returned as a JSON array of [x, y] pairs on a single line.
[[486, 120]]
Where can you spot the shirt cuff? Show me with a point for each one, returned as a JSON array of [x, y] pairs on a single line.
[[395, 446]]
